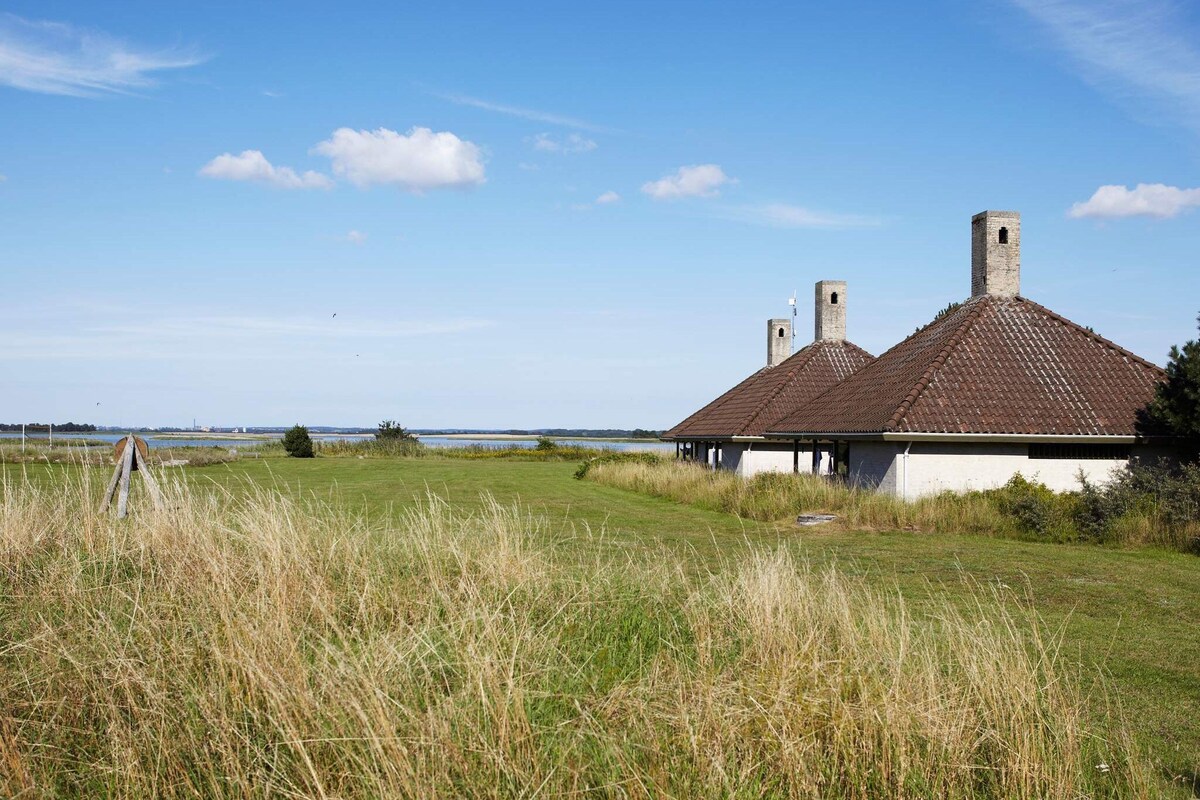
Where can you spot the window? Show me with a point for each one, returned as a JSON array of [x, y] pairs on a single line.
[[833, 298], [1084, 452], [780, 334], [1004, 236]]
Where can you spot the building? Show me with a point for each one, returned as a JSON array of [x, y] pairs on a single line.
[[729, 433], [996, 386]]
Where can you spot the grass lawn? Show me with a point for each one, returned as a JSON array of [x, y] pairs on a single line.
[[1135, 614]]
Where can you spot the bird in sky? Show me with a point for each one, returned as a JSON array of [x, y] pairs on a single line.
[[334, 315]]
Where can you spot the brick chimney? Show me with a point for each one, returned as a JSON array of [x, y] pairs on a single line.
[[829, 315], [996, 253], [779, 340]]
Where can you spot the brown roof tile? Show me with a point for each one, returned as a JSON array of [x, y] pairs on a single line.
[[750, 407], [992, 365]]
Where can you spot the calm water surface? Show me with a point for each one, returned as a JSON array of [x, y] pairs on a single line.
[[428, 441]]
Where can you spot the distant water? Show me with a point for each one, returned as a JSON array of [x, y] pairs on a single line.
[[428, 441]]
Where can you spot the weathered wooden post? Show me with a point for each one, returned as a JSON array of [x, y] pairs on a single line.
[[131, 456]]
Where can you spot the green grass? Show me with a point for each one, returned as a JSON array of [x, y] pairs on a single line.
[[1133, 614]]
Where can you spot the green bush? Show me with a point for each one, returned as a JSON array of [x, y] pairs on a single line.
[[298, 443], [1037, 509], [390, 431], [546, 443]]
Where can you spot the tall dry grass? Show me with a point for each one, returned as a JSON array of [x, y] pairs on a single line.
[[775, 496], [252, 646]]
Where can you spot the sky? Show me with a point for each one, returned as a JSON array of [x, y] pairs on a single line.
[[528, 215]]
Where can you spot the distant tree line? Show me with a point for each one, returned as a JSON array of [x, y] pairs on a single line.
[[589, 433], [37, 427]]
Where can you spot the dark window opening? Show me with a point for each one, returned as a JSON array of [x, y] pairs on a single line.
[[1087, 452], [1004, 236], [833, 298], [781, 333]]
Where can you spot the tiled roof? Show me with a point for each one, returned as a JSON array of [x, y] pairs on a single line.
[[748, 408], [992, 365]]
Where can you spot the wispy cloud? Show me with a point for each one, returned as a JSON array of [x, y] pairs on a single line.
[[57, 58], [225, 337], [608, 198], [781, 215], [571, 143], [252, 165], [1133, 49], [524, 113], [356, 237], [1144, 200]]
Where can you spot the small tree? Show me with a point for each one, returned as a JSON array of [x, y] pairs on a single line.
[[389, 431], [1175, 409], [546, 443], [298, 443]]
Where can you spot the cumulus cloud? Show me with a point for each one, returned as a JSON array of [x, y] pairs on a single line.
[[607, 197], [417, 161], [1144, 200], [252, 165], [781, 215], [55, 58], [571, 143], [700, 180]]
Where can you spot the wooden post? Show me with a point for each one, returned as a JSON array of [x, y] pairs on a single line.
[[112, 485], [151, 484], [126, 470]]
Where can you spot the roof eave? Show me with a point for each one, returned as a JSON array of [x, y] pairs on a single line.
[[1011, 438]]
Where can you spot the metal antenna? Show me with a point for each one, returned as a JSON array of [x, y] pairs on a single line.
[[792, 303]]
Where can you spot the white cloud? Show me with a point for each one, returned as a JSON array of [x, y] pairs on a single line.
[[781, 215], [252, 165], [571, 143], [700, 180], [55, 58], [1134, 49], [356, 237], [1144, 200], [418, 161], [523, 113], [271, 93], [607, 197]]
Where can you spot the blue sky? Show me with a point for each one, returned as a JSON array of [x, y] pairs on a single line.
[[551, 214]]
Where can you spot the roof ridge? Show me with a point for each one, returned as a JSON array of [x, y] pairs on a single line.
[[762, 404], [721, 400], [1092, 334], [973, 311]]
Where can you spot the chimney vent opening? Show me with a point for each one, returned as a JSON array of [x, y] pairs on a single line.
[[1004, 236], [833, 298]]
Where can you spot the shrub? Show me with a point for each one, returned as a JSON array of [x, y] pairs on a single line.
[[389, 431], [1146, 503], [1037, 509], [546, 443], [297, 442]]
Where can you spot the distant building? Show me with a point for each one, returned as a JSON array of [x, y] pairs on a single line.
[[731, 431], [997, 386]]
